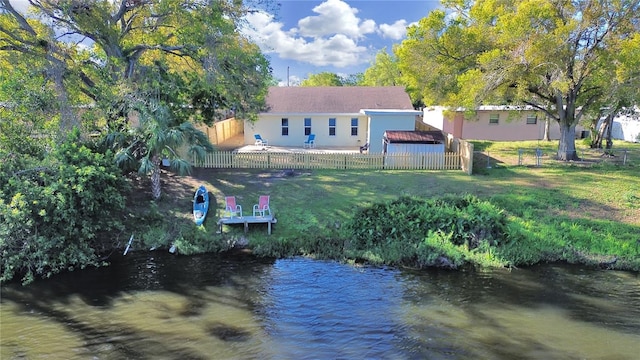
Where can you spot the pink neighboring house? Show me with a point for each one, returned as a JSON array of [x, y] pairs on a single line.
[[497, 123]]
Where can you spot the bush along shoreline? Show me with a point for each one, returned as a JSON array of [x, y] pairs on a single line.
[[451, 232]]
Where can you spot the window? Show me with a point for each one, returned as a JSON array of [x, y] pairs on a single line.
[[532, 119], [494, 118], [285, 127], [307, 126], [332, 126], [354, 126]]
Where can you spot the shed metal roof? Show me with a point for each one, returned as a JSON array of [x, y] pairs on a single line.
[[415, 137]]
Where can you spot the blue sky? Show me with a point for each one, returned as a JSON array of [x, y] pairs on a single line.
[[339, 36]]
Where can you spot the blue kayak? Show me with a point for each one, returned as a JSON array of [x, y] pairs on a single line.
[[200, 204]]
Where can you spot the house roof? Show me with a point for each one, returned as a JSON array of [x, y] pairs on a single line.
[[336, 99], [415, 137]]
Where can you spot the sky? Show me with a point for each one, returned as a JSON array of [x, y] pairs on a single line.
[[303, 37]]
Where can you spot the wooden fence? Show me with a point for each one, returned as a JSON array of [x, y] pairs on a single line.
[[223, 130], [310, 160]]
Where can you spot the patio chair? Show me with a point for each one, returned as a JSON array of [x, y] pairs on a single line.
[[259, 140], [231, 207], [310, 142], [262, 206]]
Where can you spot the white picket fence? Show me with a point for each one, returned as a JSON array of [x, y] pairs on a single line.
[[311, 160]]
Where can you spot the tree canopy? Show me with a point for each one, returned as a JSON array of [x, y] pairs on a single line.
[[565, 58], [120, 59], [327, 78], [322, 79], [383, 71]]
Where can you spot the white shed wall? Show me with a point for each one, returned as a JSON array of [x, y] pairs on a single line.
[[414, 148]]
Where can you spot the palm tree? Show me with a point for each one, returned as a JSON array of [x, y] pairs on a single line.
[[155, 135]]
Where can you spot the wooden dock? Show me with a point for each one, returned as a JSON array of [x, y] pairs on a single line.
[[246, 220]]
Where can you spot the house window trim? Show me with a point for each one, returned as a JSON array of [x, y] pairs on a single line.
[[493, 121], [532, 119], [332, 128], [357, 125], [307, 128], [284, 128]]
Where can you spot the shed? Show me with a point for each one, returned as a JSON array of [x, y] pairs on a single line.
[[413, 142]]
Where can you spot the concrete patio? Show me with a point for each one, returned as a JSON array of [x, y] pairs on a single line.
[[236, 143]]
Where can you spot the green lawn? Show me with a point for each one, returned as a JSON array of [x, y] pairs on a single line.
[[584, 214]]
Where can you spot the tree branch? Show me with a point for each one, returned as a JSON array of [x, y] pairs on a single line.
[[24, 25]]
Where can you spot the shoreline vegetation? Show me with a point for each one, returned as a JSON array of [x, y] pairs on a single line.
[[505, 217]]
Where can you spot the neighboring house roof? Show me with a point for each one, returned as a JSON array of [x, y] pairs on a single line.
[[336, 99], [414, 137]]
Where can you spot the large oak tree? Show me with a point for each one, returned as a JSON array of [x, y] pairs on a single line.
[[163, 62], [566, 58]]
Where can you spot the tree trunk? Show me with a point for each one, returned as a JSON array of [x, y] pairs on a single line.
[[547, 122], [608, 133], [56, 71], [593, 132], [604, 132], [155, 178], [567, 145]]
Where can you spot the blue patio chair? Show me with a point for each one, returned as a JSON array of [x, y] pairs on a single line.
[[310, 142], [259, 140]]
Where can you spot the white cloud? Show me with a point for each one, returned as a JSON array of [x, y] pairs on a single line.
[[333, 36], [328, 39], [395, 31], [335, 17], [293, 81]]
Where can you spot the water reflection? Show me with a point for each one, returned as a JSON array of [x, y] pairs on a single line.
[[550, 312], [318, 309], [154, 305]]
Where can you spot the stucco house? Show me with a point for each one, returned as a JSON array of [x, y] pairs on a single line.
[[498, 123], [339, 116]]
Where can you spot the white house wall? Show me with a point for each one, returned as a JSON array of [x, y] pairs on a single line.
[[626, 129], [269, 127], [434, 116]]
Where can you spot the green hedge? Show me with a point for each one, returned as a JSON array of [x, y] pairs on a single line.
[[52, 210]]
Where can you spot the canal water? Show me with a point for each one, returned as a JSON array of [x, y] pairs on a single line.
[[158, 306]]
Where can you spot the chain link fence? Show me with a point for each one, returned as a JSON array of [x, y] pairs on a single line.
[[540, 157]]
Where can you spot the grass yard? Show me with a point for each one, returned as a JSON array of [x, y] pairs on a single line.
[[493, 154], [582, 214]]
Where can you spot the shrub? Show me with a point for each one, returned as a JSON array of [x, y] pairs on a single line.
[[468, 220], [53, 210], [426, 231]]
